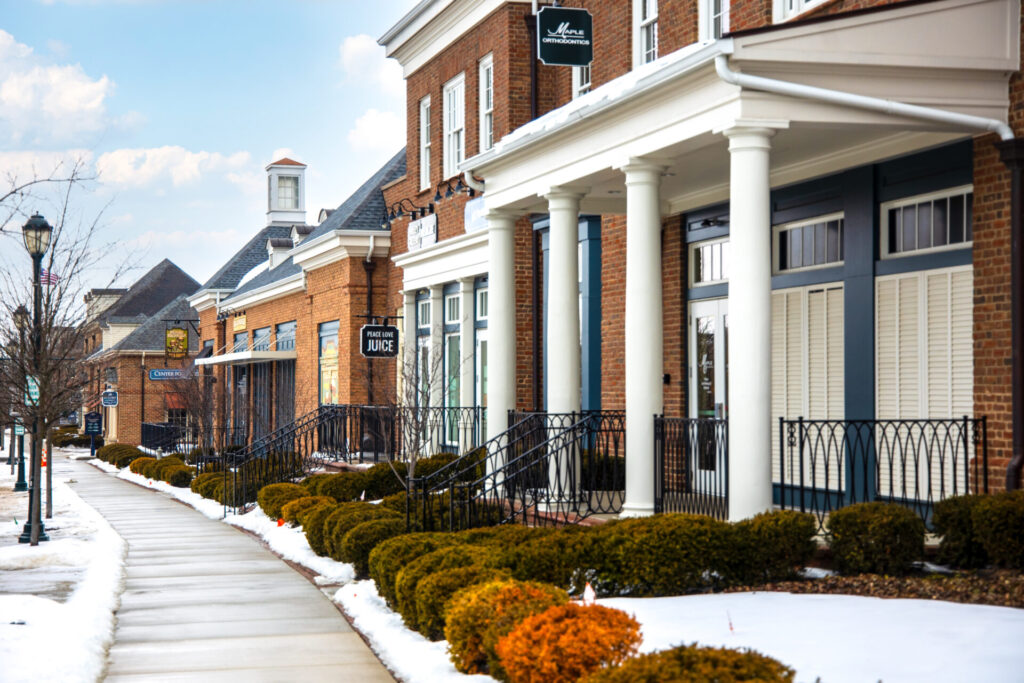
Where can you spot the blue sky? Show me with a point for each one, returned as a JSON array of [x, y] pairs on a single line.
[[179, 105]]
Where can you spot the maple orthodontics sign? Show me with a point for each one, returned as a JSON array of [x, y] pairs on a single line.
[[565, 36]]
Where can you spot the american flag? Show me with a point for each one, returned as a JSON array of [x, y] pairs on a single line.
[[47, 277]]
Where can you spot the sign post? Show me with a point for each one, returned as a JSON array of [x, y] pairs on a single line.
[[565, 36], [109, 399], [93, 427], [378, 341]]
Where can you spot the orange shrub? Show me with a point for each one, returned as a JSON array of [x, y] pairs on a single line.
[[567, 642]]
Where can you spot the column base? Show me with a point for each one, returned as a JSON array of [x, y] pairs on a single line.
[[21, 486], [26, 533], [636, 510]]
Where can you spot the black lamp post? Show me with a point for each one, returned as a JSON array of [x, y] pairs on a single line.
[[36, 233], [21, 321]]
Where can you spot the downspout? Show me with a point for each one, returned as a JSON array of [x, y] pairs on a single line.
[[142, 389], [369, 266], [1012, 154]]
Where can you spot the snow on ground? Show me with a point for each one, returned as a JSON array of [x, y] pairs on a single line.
[[58, 600], [842, 637]]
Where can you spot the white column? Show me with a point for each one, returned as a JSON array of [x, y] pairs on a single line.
[[467, 370], [501, 321], [644, 344], [436, 370], [407, 373], [750, 284], [563, 315]]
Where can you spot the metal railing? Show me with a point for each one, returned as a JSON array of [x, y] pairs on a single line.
[[823, 465], [691, 466]]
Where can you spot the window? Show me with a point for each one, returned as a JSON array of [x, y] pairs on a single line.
[[933, 222], [709, 262], [580, 81], [286, 336], [328, 333], [486, 103], [714, 19], [423, 317], [288, 192], [454, 124], [261, 339], [451, 309], [481, 304], [241, 342], [110, 376], [177, 416], [425, 143], [645, 13], [807, 244], [785, 9]]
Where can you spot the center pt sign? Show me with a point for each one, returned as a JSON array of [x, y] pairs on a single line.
[[378, 341], [565, 36]]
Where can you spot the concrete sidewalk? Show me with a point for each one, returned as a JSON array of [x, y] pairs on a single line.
[[203, 601]]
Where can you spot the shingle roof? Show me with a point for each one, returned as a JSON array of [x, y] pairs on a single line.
[[245, 259], [149, 336], [154, 290], [363, 210]]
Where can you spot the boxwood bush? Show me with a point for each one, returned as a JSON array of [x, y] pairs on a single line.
[[110, 452], [385, 479], [693, 664], [998, 521], [953, 520], [434, 593], [158, 469], [479, 615], [391, 556], [291, 510], [180, 476], [272, 497], [203, 483], [137, 464], [445, 558], [348, 520], [313, 523], [313, 481], [877, 538], [343, 487], [361, 539], [771, 546]]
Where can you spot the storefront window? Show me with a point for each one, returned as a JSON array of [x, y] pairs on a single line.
[[329, 363]]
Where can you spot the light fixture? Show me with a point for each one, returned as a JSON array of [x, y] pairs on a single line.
[[21, 317], [36, 233]]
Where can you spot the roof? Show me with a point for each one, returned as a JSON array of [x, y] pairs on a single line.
[[363, 210], [151, 292], [285, 161], [149, 336], [245, 259]]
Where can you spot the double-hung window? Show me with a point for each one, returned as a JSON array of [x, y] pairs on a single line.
[[714, 19], [786, 9], [580, 81], [486, 103], [425, 143], [645, 19], [454, 124]]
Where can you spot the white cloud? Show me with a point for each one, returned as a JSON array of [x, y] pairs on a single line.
[[139, 167], [207, 239], [24, 165], [46, 103], [378, 130], [364, 63]]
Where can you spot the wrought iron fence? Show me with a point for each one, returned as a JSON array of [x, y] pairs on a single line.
[[691, 466], [826, 464], [546, 469]]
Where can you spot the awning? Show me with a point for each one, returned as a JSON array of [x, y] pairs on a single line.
[[247, 357], [175, 401], [206, 352]]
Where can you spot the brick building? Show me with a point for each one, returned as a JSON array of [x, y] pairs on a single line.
[[758, 211]]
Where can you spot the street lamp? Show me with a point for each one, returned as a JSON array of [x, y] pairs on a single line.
[[21, 321], [36, 233]]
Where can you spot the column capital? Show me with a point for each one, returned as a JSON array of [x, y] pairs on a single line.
[[500, 219], [751, 133], [466, 282], [644, 170], [571, 192]]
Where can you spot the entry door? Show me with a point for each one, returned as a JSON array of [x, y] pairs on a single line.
[[709, 359]]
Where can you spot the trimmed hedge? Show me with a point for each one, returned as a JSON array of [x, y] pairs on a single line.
[[550, 556], [953, 520], [564, 643], [394, 554], [385, 479], [771, 546], [480, 615], [348, 520], [203, 483], [293, 509], [344, 487], [361, 539], [445, 558], [137, 464], [435, 591], [180, 476], [313, 525], [998, 522], [110, 452], [693, 664], [273, 496], [149, 469], [163, 465], [876, 538], [313, 481], [124, 458]]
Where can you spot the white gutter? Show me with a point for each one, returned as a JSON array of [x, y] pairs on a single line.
[[847, 99], [473, 182]]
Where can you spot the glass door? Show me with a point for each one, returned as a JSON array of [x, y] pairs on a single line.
[[709, 373]]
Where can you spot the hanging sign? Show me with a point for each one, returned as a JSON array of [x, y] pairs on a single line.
[[565, 36], [19, 430], [238, 323], [422, 232], [31, 391], [378, 341], [109, 399], [176, 343], [93, 424]]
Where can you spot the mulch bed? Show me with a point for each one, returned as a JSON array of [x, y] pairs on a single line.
[[983, 587]]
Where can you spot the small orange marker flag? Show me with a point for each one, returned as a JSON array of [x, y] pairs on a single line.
[[280, 522]]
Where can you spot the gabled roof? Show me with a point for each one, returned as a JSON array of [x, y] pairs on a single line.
[[363, 210], [149, 336], [285, 161], [154, 290], [245, 259]]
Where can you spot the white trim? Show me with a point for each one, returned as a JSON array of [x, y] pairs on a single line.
[[207, 298], [247, 357], [786, 10], [691, 262], [448, 260], [639, 25], [457, 300], [481, 293], [338, 245], [425, 130], [883, 222], [453, 125], [783, 227], [486, 82], [275, 290], [423, 306], [705, 19], [577, 80]]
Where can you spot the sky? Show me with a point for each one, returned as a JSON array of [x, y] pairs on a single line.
[[177, 106]]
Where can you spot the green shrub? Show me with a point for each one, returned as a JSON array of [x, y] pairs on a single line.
[[385, 479], [391, 556], [180, 476], [877, 538], [479, 615], [137, 464], [157, 469], [361, 539], [451, 557], [434, 593], [693, 664], [202, 483], [344, 487], [149, 469], [396, 502], [293, 509], [952, 520], [328, 525], [427, 466], [126, 458], [110, 452], [998, 522], [213, 466], [313, 481], [313, 526], [350, 519], [273, 496], [771, 546], [550, 556], [200, 454]]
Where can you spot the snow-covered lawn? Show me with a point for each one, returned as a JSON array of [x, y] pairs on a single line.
[[837, 638], [57, 599]]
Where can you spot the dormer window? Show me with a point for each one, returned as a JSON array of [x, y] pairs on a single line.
[[288, 192]]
